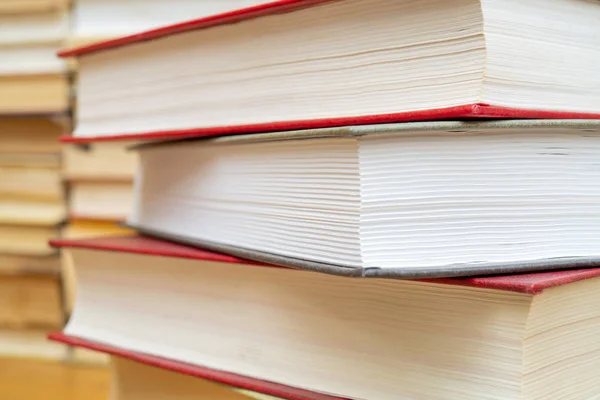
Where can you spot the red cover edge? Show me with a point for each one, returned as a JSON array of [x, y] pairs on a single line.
[[227, 378], [144, 245], [467, 111], [229, 17], [528, 283]]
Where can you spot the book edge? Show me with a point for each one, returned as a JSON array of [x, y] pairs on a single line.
[[227, 378], [474, 113], [230, 17]]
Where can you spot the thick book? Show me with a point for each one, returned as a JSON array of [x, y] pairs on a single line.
[[405, 200], [39, 94], [228, 319], [296, 64]]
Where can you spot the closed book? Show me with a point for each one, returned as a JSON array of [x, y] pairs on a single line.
[[34, 94], [408, 200], [31, 135], [229, 319], [297, 64]]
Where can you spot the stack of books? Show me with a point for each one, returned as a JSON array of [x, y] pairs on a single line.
[[99, 175], [351, 199], [34, 105]]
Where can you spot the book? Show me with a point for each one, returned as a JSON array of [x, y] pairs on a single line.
[[80, 229], [100, 200], [31, 177], [26, 240], [30, 302], [30, 59], [16, 7], [406, 200], [34, 94], [103, 19], [31, 135], [31, 190], [24, 265], [99, 161], [132, 381], [31, 213], [516, 336], [297, 64]]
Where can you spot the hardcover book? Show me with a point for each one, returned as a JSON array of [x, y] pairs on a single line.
[[269, 329], [405, 200], [296, 64]]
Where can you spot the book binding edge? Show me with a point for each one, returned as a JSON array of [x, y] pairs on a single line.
[[227, 378]]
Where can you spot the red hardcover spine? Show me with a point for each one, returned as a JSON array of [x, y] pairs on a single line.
[[227, 378]]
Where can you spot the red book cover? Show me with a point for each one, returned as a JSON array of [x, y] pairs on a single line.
[[227, 378], [530, 283]]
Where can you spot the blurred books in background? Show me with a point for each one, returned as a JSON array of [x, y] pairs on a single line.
[[34, 105]]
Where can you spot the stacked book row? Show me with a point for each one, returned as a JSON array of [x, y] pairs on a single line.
[[350, 199], [34, 106]]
